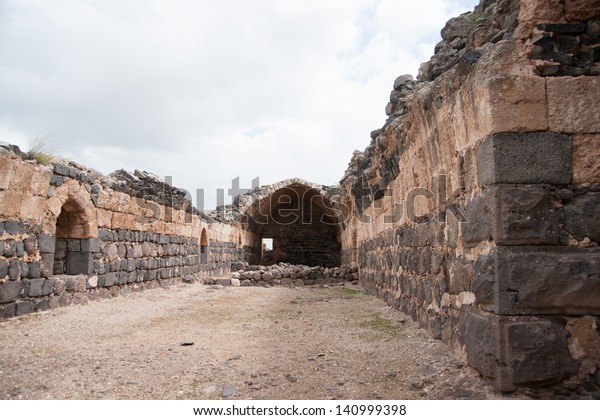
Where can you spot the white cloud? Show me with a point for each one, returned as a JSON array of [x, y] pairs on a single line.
[[207, 91]]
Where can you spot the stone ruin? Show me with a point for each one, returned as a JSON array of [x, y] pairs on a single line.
[[474, 208]]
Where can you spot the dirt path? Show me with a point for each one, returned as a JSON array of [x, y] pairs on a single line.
[[252, 343]]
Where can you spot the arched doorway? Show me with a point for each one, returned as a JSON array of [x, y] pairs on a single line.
[[74, 248], [295, 224], [204, 247]]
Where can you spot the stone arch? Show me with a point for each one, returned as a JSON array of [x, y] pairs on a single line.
[[204, 246], [300, 220], [76, 231]]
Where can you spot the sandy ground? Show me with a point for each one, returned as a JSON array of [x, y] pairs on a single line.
[[248, 343]]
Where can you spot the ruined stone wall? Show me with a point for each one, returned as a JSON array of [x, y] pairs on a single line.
[[284, 274], [69, 235], [476, 205]]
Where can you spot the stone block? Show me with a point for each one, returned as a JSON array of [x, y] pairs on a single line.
[[460, 276], [34, 269], [580, 216], [524, 215], [21, 178], [35, 287], [79, 263], [3, 269], [10, 248], [92, 282], [538, 280], [99, 267], [540, 11], [13, 227], [24, 308], [29, 244], [524, 158], [90, 245], [223, 282], [59, 285], [9, 310], [24, 270], [573, 104], [73, 245], [586, 158], [42, 305], [14, 270], [47, 243], [9, 291], [19, 249], [138, 251], [516, 103], [287, 282], [515, 351], [40, 181], [108, 279], [581, 10], [47, 265], [10, 203], [48, 286], [477, 227], [6, 172]]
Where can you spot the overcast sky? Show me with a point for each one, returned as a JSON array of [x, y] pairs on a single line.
[[206, 91]]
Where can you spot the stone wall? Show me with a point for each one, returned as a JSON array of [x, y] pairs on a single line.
[[298, 217], [475, 207], [284, 274], [69, 235]]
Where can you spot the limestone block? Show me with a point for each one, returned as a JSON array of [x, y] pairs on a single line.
[[541, 11], [10, 203], [40, 182], [21, 177], [517, 103], [32, 207], [104, 218], [573, 104], [538, 280], [581, 10], [122, 221], [6, 171], [524, 158], [512, 352], [586, 158]]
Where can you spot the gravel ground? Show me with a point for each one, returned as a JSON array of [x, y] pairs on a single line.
[[205, 342]]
